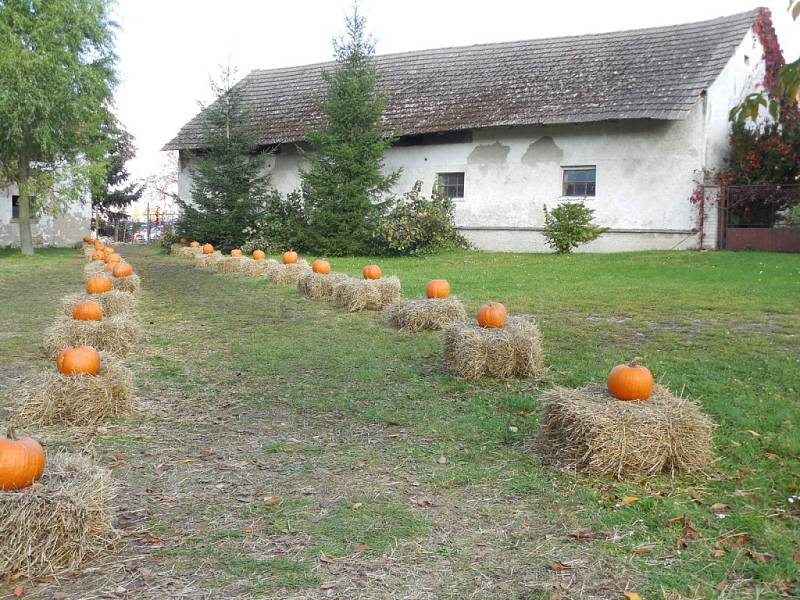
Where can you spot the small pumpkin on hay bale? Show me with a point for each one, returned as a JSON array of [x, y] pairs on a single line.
[[373, 292], [497, 346], [288, 273], [116, 335], [59, 521], [123, 279], [87, 388], [434, 312], [113, 303], [315, 285], [593, 431]]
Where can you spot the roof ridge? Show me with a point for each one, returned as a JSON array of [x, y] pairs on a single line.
[[588, 37]]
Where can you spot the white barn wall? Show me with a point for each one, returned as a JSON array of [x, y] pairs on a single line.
[[47, 230]]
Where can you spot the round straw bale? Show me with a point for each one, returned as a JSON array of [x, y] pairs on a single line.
[[425, 313], [116, 335], [355, 294], [283, 274], [590, 430], [82, 399], [59, 521], [130, 284], [113, 302], [318, 285], [514, 350]]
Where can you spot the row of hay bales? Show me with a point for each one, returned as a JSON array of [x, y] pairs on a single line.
[[54, 517], [587, 428]]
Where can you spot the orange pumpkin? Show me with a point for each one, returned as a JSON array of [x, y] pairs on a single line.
[[109, 267], [113, 258], [371, 272], [195, 244], [87, 311], [208, 248], [492, 315], [97, 255], [75, 361], [321, 266], [184, 241], [97, 244], [98, 284], [289, 257], [259, 255], [87, 239], [21, 462], [437, 288], [122, 269], [236, 252], [630, 381]]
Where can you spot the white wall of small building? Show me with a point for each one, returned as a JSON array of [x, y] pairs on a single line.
[[62, 230], [646, 171]]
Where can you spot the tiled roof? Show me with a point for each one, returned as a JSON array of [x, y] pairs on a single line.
[[655, 73]]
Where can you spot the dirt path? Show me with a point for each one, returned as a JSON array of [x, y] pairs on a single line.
[[264, 464]]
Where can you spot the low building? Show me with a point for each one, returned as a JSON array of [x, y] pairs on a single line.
[[623, 121], [63, 229]]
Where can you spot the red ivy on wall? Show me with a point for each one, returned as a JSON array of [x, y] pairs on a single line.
[[773, 55]]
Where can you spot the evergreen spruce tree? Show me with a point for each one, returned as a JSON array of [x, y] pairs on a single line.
[[229, 187], [344, 186]]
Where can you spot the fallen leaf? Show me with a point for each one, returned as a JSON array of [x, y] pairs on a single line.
[[630, 500], [19, 591], [753, 433], [361, 548], [357, 505], [557, 565], [690, 532], [718, 553], [442, 460], [327, 559], [642, 550], [761, 557], [632, 596], [506, 587], [581, 535], [720, 587], [271, 500], [718, 507]]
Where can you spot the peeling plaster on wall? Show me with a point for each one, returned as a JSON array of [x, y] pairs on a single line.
[[543, 150], [61, 230], [495, 153]]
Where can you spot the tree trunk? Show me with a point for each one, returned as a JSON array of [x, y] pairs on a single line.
[[24, 220]]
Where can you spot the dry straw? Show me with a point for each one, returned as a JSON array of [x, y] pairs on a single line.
[[188, 252], [116, 335], [512, 351], [282, 274], [425, 313], [590, 430], [83, 399], [318, 285], [256, 268], [208, 261], [113, 303], [59, 521], [93, 268], [355, 295], [88, 250], [130, 284], [231, 264]]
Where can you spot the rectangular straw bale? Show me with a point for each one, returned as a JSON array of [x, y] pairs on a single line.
[[318, 285], [355, 294], [425, 314], [590, 430]]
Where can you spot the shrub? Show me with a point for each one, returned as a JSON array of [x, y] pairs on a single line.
[[283, 226], [418, 225], [568, 226]]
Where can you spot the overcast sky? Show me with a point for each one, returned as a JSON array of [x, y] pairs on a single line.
[[168, 48]]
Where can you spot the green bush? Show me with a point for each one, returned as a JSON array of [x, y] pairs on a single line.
[[283, 226], [418, 225], [568, 226]]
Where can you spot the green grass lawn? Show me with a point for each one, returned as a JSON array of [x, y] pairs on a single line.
[[393, 479]]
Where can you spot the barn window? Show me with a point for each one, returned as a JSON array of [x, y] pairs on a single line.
[[450, 185], [579, 181], [15, 207]]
